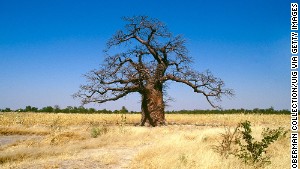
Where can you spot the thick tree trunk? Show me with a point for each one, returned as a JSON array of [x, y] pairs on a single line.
[[153, 107]]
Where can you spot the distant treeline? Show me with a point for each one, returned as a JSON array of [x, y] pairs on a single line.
[[83, 110], [68, 109], [232, 111]]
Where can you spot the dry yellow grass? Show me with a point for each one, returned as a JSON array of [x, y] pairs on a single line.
[[187, 147], [65, 141], [60, 120]]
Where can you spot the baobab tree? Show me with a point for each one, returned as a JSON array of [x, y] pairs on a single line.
[[147, 57]]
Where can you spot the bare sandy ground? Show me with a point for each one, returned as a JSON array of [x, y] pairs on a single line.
[[90, 159], [105, 157], [7, 140]]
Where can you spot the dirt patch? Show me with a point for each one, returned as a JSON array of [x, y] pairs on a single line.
[[7, 140], [111, 158]]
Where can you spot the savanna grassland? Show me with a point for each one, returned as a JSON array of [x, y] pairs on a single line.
[[44, 140]]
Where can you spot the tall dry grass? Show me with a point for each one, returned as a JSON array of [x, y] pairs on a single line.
[[65, 141], [60, 119], [185, 147]]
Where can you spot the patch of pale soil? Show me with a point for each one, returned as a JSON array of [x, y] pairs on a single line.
[[6, 140], [110, 158]]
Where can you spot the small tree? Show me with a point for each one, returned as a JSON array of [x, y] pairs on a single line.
[[252, 151], [34, 109], [92, 110], [57, 109], [241, 143], [28, 109], [124, 110], [149, 56], [6, 110], [48, 109]]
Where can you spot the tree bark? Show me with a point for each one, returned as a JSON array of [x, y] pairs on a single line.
[[153, 106]]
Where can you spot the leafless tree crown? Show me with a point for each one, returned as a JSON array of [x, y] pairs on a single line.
[[147, 54]]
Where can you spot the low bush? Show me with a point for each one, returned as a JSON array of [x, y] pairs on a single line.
[[98, 131], [241, 144]]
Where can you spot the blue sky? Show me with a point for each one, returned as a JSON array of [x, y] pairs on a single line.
[[46, 46]]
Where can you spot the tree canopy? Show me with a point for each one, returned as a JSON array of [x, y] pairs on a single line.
[[145, 56]]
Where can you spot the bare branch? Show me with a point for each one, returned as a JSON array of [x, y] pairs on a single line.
[[148, 56], [204, 83]]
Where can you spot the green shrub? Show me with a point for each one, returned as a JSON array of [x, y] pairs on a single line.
[[242, 145], [98, 131]]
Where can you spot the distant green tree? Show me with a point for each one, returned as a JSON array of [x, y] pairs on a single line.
[[34, 109], [28, 109], [124, 110], [47, 109], [81, 109], [6, 110], [57, 109], [92, 110], [68, 109]]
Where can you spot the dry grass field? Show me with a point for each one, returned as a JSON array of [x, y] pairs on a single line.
[[32, 140]]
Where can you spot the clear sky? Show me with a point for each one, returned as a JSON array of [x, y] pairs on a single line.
[[46, 46]]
